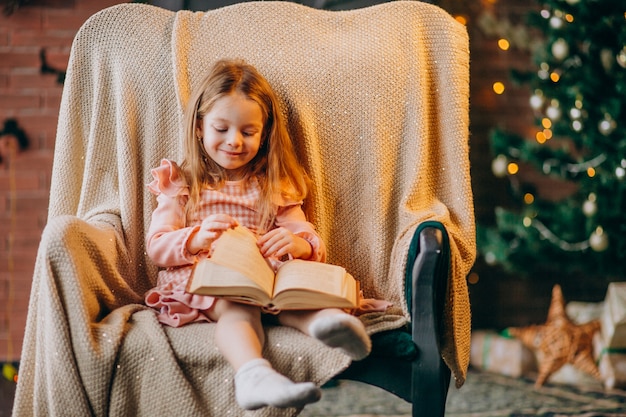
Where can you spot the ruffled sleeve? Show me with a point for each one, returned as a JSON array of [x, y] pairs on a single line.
[[168, 180]]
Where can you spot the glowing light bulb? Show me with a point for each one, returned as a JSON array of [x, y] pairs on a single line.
[[498, 87]]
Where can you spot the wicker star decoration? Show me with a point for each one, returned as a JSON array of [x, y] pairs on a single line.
[[560, 340]]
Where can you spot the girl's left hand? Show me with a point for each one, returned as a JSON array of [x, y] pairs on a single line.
[[280, 242]]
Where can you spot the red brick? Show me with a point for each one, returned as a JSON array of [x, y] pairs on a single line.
[[4, 37], [97, 5], [26, 180], [65, 19], [57, 58], [22, 18], [31, 79], [15, 100], [25, 58], [42, 38], [52, 98]]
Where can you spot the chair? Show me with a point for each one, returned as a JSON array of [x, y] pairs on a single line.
[[377, 103]]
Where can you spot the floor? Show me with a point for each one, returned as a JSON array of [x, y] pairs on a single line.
[[483, 395]]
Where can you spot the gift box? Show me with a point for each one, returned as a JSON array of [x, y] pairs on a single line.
[[496, 353], [611, 346], [614, 316]]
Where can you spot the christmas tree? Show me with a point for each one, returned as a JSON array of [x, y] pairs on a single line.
[[578, 97]]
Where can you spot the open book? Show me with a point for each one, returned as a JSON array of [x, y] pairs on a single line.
[[237, 270]]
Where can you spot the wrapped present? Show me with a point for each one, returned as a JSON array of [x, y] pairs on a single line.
[[496, 353], [611, 364], [614, 316]]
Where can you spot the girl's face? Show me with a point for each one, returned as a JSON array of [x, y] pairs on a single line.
[[231, 133]]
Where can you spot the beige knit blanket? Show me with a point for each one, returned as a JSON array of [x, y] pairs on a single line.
[[377, 100]]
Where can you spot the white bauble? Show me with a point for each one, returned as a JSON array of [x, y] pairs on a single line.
[[536, 101], [560, 49], [556, 22], [590, 207], [607, 125], [553, 111], [499, 166], [599, 241]]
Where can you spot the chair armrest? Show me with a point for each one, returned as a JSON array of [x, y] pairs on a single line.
[[427, 282]]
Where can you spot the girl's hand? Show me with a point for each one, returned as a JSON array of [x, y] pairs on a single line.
[[280, 242], [210, 229]]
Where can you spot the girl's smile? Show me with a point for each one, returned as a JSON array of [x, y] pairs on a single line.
[[231, 133]]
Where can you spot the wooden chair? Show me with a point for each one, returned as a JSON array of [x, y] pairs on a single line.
[[377, 104]]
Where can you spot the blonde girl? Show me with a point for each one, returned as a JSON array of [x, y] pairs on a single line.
[[239, 168]]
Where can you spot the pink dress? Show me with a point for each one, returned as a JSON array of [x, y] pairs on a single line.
[[169, 231]]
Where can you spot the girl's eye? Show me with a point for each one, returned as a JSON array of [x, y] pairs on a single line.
[[249, 133], [220, 129]]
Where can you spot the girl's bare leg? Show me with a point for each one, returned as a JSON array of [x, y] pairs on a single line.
[[333, 327], [240, 337]]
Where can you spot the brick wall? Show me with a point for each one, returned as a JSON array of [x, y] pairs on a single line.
[[31, 98]]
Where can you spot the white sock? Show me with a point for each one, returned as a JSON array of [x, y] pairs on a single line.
[[343, 331], [257, 385]]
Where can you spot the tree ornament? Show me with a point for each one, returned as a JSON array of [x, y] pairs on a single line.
[[560, 341], [590, 207], [620, 171], [544, 71], [621, 57], [490, 258], [537, 100], [556, 22], [599, 241], [554, 110], [606, 58], [575, 113], [560, 49], [607, 125], [499, 166]]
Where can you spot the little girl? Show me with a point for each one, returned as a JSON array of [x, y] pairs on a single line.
[[239, 168]]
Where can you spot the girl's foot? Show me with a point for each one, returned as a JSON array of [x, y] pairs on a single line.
[[257, 385], [343, 331]]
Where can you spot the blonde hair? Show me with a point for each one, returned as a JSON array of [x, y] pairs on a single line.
[[275, 166]]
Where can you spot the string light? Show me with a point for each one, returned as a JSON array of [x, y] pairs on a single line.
[[552, 238], [504, 44], [540, 137], [498, 87], [529, 198], [512, 168]]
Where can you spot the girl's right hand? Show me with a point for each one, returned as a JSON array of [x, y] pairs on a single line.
[[210, 229]]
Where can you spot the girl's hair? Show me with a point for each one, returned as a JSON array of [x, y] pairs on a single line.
[[275, 166]]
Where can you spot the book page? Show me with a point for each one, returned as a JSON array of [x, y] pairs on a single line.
[[237, 249], [316, 276]]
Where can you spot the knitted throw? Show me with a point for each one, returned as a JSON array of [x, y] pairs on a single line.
[[377, 103]]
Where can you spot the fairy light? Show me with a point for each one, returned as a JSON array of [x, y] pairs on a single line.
[[555, 77], [546, 123], [540, 137], [498, 87], [547, 133], [504, 44], [529, 198], [461, 19], [591, 172], [569, 18], [512, 168]]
